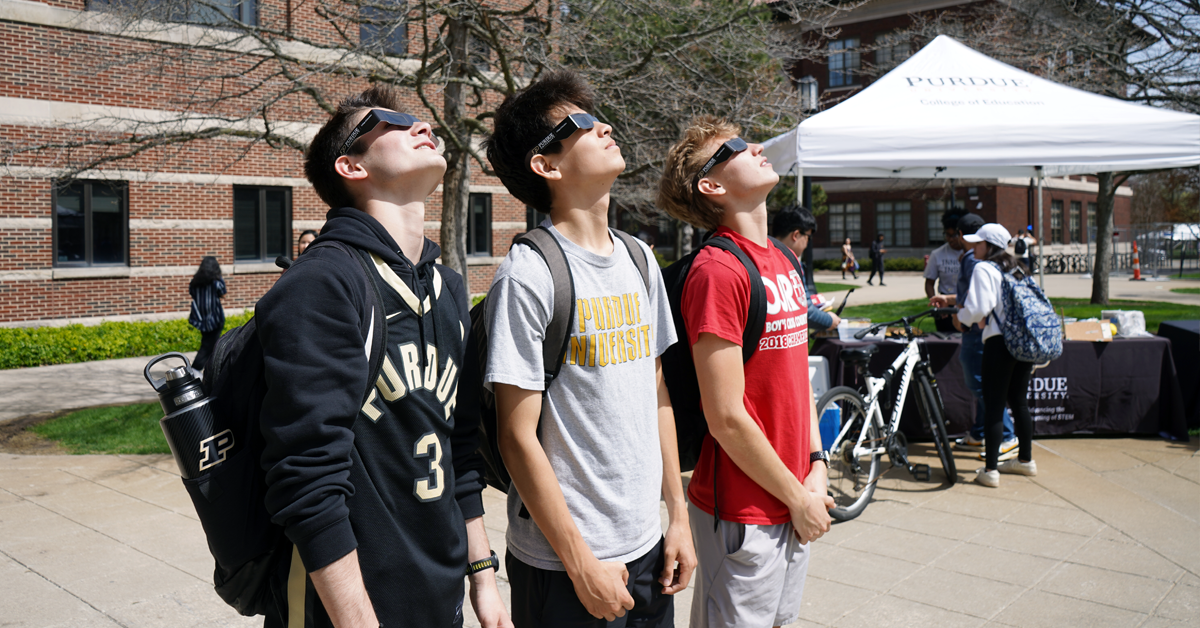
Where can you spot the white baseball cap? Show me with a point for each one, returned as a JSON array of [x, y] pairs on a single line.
[[991, 233]]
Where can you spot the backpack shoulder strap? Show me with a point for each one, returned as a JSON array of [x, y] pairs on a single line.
[[554, 345], [756, 318], [637, 254], [377, 331]]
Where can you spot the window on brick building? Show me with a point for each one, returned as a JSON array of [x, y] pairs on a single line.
[[933, 220], [385, 29], [894, 220], [479, 225], [533, 218], [91, 223], [1076, 222], [262, 223], [891, 50], [212, 12], [1056, 222], [845, 221], [844, 62], [1091, 218]]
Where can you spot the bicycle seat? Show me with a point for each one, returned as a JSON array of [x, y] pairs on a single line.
[[856, 355]]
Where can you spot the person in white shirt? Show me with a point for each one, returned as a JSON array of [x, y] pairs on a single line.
[[1004, 377]]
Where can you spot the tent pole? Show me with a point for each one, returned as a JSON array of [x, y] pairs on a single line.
[[801, 187], [1040, 235]]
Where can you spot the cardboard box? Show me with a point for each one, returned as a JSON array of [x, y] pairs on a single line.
[[1092, 331]]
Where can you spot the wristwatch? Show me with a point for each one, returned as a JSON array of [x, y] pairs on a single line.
[[823, 456], [492, 561]]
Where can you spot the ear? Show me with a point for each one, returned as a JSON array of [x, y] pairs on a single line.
[[350, 168], [543, 167], [711, 188]]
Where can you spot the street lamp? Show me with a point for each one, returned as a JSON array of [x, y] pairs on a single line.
[[809, 100]]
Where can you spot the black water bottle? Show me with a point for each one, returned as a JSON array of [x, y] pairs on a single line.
[[197, 440]]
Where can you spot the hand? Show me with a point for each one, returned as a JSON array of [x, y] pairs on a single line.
[[811, 520], [939, 301], [485, 599], [677, 548], [601, 587], [818, 482], [835, 319]]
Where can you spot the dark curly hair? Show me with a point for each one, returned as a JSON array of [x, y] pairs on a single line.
[[326, 145], [523, 120]]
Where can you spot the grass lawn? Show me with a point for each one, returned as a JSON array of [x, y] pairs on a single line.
[[1155, 311], [832, 287], [130, 429], [1186, 290]]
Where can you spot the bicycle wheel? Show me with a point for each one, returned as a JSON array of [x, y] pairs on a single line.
[[851, 475], [931, 406]]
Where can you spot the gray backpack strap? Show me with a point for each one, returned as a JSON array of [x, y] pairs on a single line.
[[558, 331], [637, 253]]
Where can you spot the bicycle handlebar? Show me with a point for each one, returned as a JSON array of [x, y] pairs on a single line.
[[906, 321]]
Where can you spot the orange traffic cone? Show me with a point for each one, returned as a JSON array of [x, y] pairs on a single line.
[[1137, 266]]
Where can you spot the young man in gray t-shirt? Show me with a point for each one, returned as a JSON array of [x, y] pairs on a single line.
[[590, 457]]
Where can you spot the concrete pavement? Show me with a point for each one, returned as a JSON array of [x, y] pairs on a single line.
[[1108, 534]]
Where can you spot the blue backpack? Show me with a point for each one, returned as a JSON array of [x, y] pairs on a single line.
[[1031, 329]]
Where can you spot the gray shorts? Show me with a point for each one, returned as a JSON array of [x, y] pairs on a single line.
[[750, 576]]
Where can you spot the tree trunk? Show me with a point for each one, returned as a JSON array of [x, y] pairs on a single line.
[[456, 184], [1104, 235]]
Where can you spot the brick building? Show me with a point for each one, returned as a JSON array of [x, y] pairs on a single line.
[[123, 240], [868, 42]]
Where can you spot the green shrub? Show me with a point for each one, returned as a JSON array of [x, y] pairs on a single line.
[[38, 346], [864, 265]]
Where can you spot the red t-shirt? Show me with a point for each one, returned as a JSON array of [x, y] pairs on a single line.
[[716, 300]]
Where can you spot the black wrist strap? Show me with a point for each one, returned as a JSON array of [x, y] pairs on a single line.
[[492, 562]]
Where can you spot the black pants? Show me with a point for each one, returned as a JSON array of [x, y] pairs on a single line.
[[208, 342], [542, 598], [876, 265], [942, 323], [1005, 378]]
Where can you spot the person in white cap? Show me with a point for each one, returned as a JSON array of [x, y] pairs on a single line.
[[1004, 377]]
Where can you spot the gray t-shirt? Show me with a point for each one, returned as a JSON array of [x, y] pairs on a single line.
[[599, 423], [944, 266]]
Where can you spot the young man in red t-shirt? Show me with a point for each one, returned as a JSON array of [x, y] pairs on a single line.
[[756, 496]]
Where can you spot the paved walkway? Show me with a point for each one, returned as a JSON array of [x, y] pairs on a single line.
[[1108, 534]]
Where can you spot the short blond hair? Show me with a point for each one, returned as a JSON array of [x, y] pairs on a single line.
[[677, 193]]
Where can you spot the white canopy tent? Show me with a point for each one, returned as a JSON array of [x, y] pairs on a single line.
[[952, 112]]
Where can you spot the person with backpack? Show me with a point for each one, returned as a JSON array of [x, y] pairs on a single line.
[[375, 484], [758, 494], [590, 441], [794, 226], [848, 261], [970, 354], [1004, 377], [207, 316]]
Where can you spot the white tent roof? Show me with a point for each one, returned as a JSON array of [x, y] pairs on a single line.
[[950, 111]]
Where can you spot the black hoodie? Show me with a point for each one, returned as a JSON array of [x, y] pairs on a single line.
[[395, 477]]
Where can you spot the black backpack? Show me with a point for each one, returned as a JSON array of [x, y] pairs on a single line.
[[1020, 247], [247, 546], [679, 370], [477, 404]]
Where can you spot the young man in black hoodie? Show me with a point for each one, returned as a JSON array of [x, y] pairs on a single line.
[[381, 499]]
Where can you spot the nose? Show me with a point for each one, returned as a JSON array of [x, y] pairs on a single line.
[[422, 128], [602, 129], [756, 149]]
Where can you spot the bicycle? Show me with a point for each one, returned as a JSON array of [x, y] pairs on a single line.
[[854, 455]]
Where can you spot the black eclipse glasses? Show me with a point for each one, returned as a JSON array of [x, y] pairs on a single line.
[[727, 150], [565, 129], [372, 119]]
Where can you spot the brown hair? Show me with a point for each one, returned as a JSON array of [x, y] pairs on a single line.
[[677, 193], [325, 148]]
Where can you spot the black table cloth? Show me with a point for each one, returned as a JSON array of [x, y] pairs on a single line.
[[1126, 386], [1185, 348]]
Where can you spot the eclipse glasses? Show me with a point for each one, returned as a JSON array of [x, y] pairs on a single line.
[[373, 118], [565, 129], [727, 150]]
